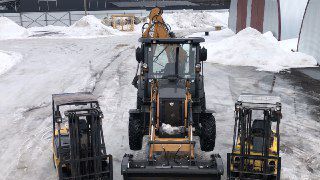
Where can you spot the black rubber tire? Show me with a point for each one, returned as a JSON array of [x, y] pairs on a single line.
[[139, 102], [135, 133], [208, 132]]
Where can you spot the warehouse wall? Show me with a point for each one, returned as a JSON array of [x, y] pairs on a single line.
[[263, 15], [291, 17], [309, 40]]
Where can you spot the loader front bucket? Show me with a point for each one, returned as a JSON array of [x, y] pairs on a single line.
[[142, 170]]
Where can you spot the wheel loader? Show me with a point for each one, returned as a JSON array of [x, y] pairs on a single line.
[[79, 151], [255, 152], [171, 109]]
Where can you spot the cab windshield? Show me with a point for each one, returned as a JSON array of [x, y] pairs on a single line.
[[168, 60]]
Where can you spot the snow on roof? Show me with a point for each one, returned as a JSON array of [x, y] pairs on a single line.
[[70, 98]]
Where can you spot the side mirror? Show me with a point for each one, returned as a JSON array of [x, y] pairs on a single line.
[[203, 54], [139, 55]]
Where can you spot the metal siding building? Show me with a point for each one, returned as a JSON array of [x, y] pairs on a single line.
[[263, 15], [309, 39], [95, 5]]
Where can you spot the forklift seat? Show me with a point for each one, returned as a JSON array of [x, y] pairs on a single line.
[[258, 128]]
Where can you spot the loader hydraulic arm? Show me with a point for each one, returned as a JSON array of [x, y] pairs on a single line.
[[156, 28]]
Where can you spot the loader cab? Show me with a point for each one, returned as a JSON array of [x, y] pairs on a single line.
[[78, 144], [169, 58], [171, 63], [255, 152]]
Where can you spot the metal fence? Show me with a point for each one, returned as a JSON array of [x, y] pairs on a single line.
[[67, 18]]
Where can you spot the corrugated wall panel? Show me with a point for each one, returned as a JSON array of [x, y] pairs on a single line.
[[249, 12], [309, 39], [232, 22], [272, 18], [241, 15], [257, 14]]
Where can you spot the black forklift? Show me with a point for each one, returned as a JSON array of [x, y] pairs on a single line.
[[79, 150], [256, 141]]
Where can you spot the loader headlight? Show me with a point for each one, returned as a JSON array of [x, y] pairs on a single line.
[[278, 108], [145, 67], [198, 68]]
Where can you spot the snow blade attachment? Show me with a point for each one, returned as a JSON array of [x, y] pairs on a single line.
[[171, 169]]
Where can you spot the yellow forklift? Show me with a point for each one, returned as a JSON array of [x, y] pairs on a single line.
[[255, 152], [79, 151]]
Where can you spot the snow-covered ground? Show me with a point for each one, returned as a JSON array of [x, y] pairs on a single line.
[[105, 65], [8, 60]]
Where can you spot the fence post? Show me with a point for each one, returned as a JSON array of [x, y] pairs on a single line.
[[21, 23], [70, 21], [46, 18]]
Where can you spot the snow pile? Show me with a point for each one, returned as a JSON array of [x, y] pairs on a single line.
[[8, 60], [251, 48], [10, 30], [194, 20], [289, 44], [171, 130], [89, 26]]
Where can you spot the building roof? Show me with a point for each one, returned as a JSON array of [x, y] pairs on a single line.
[[150, 4]]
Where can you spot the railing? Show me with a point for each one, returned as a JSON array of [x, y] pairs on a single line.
[[66, 18]]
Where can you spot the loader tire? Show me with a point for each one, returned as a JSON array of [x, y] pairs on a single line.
[[135, 133], [208, 132]]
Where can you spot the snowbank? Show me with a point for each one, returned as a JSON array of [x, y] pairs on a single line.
[[251, 48], [8, 60], [186, 20], [289, 44], [89, 26], [11, 30]]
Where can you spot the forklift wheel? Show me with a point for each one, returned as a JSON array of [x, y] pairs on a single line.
[[135, 133], [207, 132]]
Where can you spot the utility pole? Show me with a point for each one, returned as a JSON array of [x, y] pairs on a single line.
[[85, 7]]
